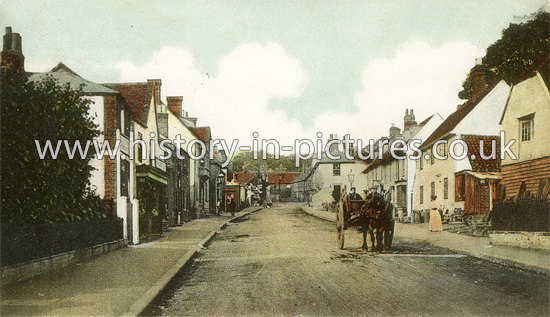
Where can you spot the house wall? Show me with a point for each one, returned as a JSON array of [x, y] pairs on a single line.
[[175, 128], [110, 165], [532, 172], [422, 135], [97, 178], [530, 96], [391, 177], [483, 120], [435, 172], [324, 180], [150, 192]]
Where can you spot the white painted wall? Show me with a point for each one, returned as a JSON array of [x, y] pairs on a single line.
[[97, 178], [432, 124]]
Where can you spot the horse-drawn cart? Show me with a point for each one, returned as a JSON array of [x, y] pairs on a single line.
[[372, 216]]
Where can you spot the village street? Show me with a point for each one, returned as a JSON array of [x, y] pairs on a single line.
[[281, 261]]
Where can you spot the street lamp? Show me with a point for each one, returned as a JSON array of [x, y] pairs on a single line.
[[351, 177]]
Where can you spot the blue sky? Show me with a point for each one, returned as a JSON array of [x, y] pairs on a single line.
[[286, 69]]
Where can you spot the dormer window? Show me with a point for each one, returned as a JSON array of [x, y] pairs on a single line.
[[527, 127]]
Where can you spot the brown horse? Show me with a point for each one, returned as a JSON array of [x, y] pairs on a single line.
[[378, 222], [371, 216]]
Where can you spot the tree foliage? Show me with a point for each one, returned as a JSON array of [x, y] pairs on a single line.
[[520, 46], [249, 164], [35, 190]]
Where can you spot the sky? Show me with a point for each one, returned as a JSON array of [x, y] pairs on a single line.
[[284, 69]]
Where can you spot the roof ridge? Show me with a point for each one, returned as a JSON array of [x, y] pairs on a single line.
[[60, 65], [125, 84], [531, 70], [456, 117]]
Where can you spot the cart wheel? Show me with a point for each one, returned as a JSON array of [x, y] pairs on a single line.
[[339, 226], [340, 233], [388, 235]]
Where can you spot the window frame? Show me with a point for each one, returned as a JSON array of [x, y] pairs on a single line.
[[336, 169], [526, 125]]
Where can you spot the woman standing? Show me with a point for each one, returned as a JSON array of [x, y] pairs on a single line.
[[435, 217], [232, 207]]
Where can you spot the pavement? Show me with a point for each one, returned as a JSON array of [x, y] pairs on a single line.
[[480, 247], [125, 281], [120, 283]]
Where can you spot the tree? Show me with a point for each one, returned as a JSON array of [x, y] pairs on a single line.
[[246, 160], [520, 46], [35, 190]]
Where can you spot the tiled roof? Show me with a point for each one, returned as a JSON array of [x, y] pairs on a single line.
[[285, 178], [242, 177], [137, 96], [202, 133], [64, 75], [478, 163], [454, 119], [388, 158]]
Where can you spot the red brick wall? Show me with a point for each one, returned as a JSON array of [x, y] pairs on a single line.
[[531, 172], [110, 165], [477, 78], [174, 103]]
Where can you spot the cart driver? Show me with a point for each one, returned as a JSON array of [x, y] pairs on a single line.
[[353, 195]]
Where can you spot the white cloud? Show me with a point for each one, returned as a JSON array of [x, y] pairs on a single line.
[[420, 77], [234, 104]]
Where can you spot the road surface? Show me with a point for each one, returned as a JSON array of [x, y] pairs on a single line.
[[281, 261]]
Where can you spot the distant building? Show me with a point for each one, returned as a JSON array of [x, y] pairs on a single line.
[[278, 182], [332, 173]]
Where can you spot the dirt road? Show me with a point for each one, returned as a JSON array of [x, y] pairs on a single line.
[[280, 261]]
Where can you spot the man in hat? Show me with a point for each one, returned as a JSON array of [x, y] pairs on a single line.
[[353, 195]]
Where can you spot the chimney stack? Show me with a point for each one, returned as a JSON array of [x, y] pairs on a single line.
[[409, 120], [174, 103], [477, 79], [394, 131], [155, 87], [12, 55]]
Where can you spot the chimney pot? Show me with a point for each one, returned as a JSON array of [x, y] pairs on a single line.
[[174, 103]]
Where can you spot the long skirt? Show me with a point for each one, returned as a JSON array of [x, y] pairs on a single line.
[[435, 220]]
